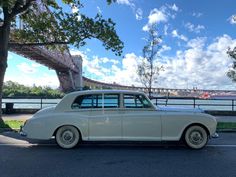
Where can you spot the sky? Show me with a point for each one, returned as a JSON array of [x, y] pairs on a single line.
[[195, 38]]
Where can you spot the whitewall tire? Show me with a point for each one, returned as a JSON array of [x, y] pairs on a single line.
[[67, 137], [196, 137]]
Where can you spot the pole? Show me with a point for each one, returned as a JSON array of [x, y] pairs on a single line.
[[41, 103], [232, 105]]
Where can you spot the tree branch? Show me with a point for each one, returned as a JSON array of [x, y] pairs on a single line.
[[17, 9]]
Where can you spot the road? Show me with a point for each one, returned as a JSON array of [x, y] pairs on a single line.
[[18, 158]]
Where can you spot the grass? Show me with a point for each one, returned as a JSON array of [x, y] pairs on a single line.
[[15, 124], [226, 125]]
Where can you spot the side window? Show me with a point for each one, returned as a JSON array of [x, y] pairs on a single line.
[[111, 100], [136, 101], [87, 101]]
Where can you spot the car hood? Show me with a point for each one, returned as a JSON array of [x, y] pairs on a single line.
[[178, 109]]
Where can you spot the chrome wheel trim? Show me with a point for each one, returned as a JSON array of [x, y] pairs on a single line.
[[196, 137], [67, 136]]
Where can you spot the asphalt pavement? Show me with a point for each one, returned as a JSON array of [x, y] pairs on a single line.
[[20, 158]]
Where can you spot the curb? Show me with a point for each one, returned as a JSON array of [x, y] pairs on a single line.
[[9, 130], [226, 130]]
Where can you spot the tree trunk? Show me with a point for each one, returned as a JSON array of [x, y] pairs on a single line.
[[4, 39]]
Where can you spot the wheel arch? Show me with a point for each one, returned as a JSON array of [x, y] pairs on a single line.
[[193, 124]]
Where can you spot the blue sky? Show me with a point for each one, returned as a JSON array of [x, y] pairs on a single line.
[[195, 38]]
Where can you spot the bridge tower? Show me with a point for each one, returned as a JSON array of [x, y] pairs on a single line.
[[71, 80]]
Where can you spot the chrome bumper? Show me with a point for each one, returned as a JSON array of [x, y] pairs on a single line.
[[215, 135]]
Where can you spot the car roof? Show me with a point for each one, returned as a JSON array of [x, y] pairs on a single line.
[[85, 92]]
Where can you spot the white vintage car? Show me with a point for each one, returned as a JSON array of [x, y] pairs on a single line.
[[118, 115]]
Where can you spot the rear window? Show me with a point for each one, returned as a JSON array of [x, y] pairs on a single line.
[[96, 101], [87, 101]]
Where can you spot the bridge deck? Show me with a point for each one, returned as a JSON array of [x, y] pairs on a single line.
[[54, 60]]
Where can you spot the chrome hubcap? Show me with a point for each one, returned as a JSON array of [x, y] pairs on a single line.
[[67, 137], [196, 137]]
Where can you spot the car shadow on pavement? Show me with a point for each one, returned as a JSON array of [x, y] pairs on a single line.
[[14, 138]]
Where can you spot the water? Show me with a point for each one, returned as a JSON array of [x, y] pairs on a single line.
[[223, 105], [203, 104], [31, 103]]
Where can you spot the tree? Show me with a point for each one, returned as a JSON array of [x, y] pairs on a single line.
[[232, 71], [46, 22], [13, 89], [148, 69]]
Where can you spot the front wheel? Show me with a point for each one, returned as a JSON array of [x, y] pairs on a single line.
[[67, 137], [196, 137]]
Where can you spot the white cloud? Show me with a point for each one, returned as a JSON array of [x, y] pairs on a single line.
[[137, 11], [74, 9], [174, 7], [106, 60], [179, 36], [166, 30], [198, 42], [232, 19], [36, 65], [163, 49], [127, 74], [197, 14], [192, 28], [145, 28], [10, 56], [139, 14], [156, 16], [88, 50], [28, 69], [94, 66], [201, 65], [126, 2], [78, 52], [198, 66], [161, 15], [99, 10]]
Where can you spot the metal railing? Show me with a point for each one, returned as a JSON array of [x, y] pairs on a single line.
[[28, 102], [206, 104]]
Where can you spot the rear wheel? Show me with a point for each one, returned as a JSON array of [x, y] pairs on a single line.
[[67, 137], [196, 137]]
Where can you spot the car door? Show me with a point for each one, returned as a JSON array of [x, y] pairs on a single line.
[[105, 118], [140, 120]]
